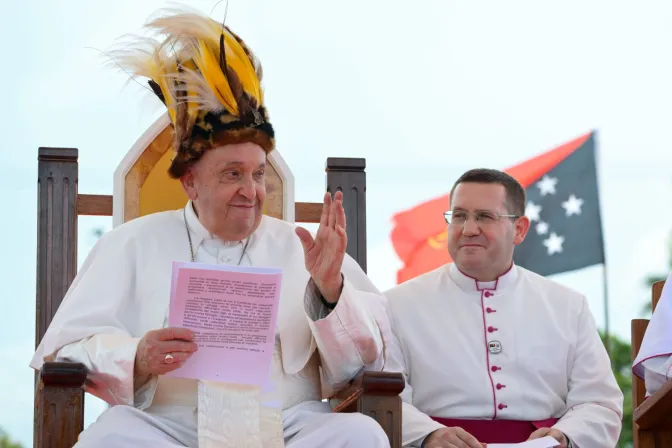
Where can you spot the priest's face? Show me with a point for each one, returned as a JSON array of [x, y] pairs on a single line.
[[228, 187], [483, 248]]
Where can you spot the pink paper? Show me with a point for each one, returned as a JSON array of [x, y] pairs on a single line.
[[233, 311]]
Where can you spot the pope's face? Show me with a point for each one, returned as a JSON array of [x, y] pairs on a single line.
[[228, 187], [483, 250]]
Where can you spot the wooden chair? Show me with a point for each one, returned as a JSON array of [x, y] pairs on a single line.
[[142, 186], [652, 417]]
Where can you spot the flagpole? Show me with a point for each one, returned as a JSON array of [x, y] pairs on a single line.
[[605, 277]]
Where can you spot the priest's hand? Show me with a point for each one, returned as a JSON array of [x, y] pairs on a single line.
[[552, 432], [164, 350], [324, 254], [451, 437]]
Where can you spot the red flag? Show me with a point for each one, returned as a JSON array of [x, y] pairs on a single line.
[[419, 234]]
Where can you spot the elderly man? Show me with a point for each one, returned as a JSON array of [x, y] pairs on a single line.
[[494, 353], [113, 318], [654, 360]]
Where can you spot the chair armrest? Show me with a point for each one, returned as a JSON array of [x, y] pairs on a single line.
[[656, 411], [59, 404], [376, 394], [383, 384], [63, 374]]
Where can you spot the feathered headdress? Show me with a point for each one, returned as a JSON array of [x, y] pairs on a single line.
[[208, 79]]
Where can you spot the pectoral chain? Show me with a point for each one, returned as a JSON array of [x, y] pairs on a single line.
[[191, 246]]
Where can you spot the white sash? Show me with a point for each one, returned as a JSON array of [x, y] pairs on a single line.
[[233, 416], [237, 415]]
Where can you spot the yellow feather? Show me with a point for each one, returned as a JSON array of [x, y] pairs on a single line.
[[187, 23], [212, 74], [161, 68], [192, 106], [240, 63], [170, 102], [193, 39]]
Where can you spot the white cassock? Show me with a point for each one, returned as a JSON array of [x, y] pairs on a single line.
[[654, 360], [123, 290], [507, 353]]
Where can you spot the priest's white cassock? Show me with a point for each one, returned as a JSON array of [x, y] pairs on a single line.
[[500, 358], [122, 291], [654, 360]]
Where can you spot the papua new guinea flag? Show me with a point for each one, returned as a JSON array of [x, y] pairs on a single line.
[[562, 204]]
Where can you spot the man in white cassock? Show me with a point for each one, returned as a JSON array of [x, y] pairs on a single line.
[[113, 318], [654, 360], [493, 353]]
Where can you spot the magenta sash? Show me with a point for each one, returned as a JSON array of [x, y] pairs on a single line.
[[498, 431]]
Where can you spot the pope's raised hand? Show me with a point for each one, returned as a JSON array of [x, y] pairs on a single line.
[[324, 254]]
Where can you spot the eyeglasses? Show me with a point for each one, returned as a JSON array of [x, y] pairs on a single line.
[[482, 218]]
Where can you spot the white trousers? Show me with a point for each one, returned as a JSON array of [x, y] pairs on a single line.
[[311, 426]]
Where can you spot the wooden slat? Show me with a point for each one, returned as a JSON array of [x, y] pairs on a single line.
[[637, 330], [656, 411], [94, 205], [656, 292], [307, 212], [101, 205]]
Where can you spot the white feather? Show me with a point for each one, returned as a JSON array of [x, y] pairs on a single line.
[[186, 23], [197, 89]]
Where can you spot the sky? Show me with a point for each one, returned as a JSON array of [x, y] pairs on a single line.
[[424, 90]]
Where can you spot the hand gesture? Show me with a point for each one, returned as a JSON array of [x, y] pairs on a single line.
[[452, 437], [162, 351], [552, 432], [324, 254]]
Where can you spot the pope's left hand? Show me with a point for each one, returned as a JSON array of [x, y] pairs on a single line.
[[324, 254], [552, 432]]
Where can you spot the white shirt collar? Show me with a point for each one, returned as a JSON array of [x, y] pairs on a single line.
[[468, 283], [199, 233]]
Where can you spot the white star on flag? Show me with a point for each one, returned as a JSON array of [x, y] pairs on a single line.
[[547, 185], [554, 243], [572, 205], [542, 228], [532, 211]]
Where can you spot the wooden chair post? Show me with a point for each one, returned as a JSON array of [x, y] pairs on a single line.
[[637, 329], [57, 231], [652, 416], [59, 416], [348, 175], [375, 394]]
